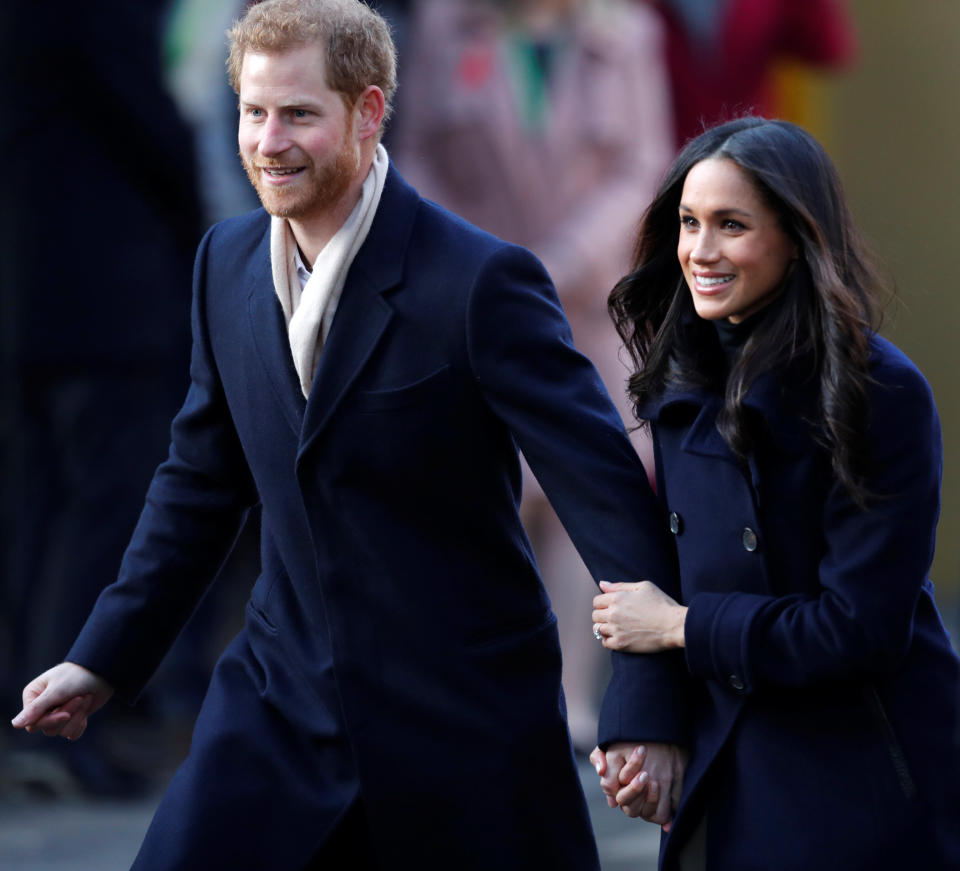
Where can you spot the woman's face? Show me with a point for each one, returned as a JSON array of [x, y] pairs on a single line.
[[732, 250]]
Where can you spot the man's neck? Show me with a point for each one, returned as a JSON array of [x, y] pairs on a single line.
[[314, 232]]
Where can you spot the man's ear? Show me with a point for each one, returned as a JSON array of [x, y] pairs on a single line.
[[368, 112]]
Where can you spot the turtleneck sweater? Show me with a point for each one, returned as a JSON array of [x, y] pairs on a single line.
[[733, 337]]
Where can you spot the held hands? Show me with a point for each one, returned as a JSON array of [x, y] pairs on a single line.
[[638, 618], [60, 700], [643, 781], [647, 780]]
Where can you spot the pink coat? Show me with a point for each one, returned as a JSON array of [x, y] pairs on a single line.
[[573, 192]]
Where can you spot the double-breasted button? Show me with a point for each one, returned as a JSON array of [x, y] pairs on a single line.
[[749, 539], [736, 683], [676, 523]]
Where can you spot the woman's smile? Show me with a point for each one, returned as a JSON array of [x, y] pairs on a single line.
[[732, 249]]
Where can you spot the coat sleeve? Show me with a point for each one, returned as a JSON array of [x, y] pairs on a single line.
[[195, 506], [551, 398], [872, 573]]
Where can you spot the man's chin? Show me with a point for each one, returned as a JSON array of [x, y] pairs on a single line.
[[304, 203], [280, 211], [281, 208]]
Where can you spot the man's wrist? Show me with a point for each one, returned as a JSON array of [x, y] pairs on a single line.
[[677, 637]]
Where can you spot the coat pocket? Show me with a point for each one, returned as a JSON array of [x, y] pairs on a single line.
[[260, 617], [892, 743], [408, 394]]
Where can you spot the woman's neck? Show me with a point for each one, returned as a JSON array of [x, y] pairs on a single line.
[[733, 337]]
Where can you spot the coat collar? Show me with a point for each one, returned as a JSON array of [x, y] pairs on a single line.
[[785, 401], [362, 314]]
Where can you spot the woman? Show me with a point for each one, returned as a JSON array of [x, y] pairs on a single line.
[[798, 457]]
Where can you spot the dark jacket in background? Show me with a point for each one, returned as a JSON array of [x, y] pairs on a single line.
[[98, 224]]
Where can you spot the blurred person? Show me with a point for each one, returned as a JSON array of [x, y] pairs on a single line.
[[547, 123], [195, 51], [799, 455], [364, 366], [723, 54], [397, 14], [99, 223]]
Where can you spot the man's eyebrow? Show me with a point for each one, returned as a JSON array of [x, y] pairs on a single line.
[[295, 102]]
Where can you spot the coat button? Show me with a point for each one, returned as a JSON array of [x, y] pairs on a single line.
[[676, 523], [749, 539], [736, 683]]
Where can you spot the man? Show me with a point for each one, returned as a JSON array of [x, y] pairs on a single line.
[[394, 698]]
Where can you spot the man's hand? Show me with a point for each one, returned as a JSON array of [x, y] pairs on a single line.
[[644, 781], [609, 766], [60, 700]]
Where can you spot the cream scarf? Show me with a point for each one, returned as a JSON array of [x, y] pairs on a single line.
[[309, 310]]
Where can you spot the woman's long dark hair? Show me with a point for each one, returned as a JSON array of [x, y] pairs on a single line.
[[828, 309]]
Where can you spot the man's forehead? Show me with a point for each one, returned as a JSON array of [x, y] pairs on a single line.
[[297, 73], [292, 58]]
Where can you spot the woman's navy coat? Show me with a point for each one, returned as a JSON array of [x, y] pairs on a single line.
[[825, 689]]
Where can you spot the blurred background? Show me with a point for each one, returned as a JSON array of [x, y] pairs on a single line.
[[119, 142], [890, 124]]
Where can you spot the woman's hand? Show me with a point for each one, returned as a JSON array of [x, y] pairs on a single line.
[[643, 781], [638, 618]]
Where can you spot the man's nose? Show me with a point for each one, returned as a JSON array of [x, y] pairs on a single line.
[[274, 139]]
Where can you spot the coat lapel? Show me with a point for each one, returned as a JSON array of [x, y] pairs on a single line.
[[783, 399], [702, 437], [787, 401], [270, 337], [362, 314]]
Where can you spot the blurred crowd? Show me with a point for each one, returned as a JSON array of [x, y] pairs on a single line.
[[546, 122]]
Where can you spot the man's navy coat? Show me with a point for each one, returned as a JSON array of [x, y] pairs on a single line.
[[826, 693], [398, 646]]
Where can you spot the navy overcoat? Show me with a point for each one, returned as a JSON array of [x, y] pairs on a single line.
[[825, 690], [399, 648]]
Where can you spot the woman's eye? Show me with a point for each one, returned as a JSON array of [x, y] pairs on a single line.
[[730, 224], [688, 222]]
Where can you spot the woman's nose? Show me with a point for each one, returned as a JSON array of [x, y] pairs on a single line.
[[706, 249]]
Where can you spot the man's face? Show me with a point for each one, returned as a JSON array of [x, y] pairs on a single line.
[[297, 138]]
